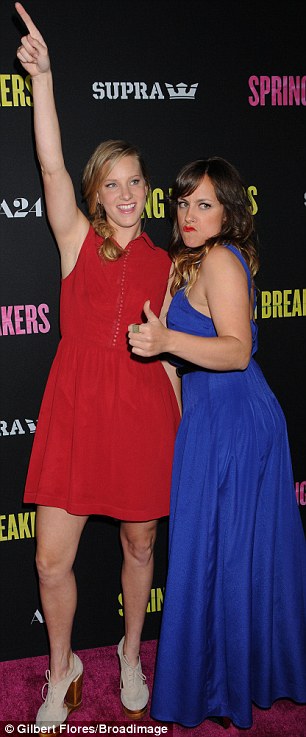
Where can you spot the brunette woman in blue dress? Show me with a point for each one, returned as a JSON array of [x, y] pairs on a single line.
[[230, 635]]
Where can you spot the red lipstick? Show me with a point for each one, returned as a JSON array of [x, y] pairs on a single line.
[[188, 228]]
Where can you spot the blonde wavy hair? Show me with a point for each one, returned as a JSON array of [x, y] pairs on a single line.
[[97, 169], [237, 228]]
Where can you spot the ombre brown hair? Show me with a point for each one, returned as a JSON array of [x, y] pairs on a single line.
[[237, 228], [98, 168]]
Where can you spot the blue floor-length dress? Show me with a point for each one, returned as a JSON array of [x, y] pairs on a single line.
[[234, 620]]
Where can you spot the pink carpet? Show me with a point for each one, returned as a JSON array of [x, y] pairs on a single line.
[[21, 682]]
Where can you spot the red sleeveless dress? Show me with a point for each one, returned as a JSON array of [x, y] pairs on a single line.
[[105, 435]]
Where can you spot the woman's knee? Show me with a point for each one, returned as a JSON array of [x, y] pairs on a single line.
[[58, 534], [138, 542], [51, 568]]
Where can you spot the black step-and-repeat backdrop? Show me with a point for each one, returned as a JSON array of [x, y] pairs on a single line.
[[183, 81]]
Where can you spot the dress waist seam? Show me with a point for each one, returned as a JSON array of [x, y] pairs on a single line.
[[107, 347]]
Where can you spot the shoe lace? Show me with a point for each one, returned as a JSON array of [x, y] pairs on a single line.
[[49, 697], [132, 673]]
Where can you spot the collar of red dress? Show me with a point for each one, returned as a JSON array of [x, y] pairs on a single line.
[[142, 236], [147, 240]]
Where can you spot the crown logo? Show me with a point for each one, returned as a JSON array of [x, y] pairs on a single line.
[[180, 93]]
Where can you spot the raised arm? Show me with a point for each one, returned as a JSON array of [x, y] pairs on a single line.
[[67, 221]]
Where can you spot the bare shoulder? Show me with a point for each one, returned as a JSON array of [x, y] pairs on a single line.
[[220, 258], [220, 254]]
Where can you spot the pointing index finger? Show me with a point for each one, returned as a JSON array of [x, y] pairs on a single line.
[[28, 22]]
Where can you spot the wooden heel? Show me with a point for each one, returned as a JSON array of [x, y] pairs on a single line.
[[73, 697], [135, 714]]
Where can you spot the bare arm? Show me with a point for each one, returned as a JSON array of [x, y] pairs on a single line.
[[67, 221], [224, 284], [171, 370]]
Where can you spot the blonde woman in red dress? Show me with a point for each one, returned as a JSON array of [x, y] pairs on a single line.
[[107, 424]]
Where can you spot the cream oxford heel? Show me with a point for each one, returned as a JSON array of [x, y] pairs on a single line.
[[62, 697], [134, 690]]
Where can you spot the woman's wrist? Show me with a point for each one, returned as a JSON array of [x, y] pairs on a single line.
[[171, 341], [43, 78]]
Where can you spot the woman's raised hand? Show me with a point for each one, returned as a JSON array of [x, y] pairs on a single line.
[[32, 52]]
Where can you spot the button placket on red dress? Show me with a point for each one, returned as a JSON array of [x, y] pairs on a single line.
[[122, 288]]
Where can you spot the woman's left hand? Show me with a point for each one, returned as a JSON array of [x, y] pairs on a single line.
[[152, 336]]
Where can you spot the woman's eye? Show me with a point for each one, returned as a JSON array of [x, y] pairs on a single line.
[[204, 205], [110, 185], [181, 204], [135, 181]]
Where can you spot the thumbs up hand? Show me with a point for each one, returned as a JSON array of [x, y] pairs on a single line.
[[149, 338], [151, 317]]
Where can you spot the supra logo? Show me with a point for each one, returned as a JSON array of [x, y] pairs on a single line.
[[180, 93], [22, 208], [17, 427], [143, 91]]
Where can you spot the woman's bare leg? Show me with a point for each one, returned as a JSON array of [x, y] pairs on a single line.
[[58, 534], [138, 540]]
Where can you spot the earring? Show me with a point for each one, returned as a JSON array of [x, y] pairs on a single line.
[[100, 209]]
